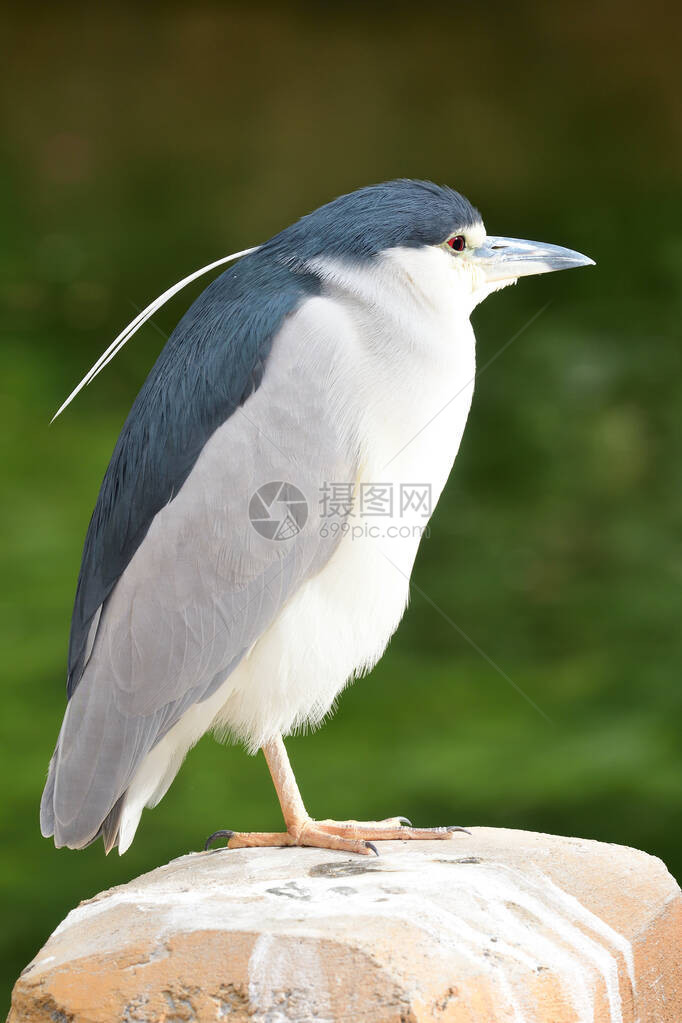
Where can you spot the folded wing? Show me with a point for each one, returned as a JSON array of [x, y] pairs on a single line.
[[177, 582]]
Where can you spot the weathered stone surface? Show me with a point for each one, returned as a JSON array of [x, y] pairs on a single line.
[[500, 926]]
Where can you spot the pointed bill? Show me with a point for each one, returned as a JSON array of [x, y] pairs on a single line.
[[504, 259]]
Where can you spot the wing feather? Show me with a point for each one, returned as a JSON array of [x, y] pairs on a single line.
[[211, 364], [202, 585]]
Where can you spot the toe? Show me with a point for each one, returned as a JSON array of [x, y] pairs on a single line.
[[217, 834]]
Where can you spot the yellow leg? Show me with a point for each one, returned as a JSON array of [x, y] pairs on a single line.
[[350, 836]]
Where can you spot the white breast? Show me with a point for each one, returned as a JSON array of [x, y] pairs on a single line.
[[404, 390]]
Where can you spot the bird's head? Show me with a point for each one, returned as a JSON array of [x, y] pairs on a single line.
[[430, 234], [430, 228]]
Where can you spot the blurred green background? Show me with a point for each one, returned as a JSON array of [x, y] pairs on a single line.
[[142, 142]]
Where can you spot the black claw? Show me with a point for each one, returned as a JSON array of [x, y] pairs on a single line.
[[406, 821], [371, 845], [217, 834], [454, 827]]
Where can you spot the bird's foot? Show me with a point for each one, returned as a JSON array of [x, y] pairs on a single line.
[[348, 836]]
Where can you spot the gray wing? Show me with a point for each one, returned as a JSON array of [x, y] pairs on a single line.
[[202, 586], [214, 359]]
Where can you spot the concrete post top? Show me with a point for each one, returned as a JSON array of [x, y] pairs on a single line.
[[502, 925]]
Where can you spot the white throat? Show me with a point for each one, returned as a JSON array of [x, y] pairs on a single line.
[[411, 366]]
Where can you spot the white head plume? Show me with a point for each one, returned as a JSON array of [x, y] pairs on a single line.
[[134, 325]]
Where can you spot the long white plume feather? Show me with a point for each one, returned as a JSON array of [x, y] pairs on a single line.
[[134, 325]]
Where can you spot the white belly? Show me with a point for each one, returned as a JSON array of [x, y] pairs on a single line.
[[337, 625]]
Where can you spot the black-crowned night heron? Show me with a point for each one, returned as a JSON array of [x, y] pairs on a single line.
[[252, 543]]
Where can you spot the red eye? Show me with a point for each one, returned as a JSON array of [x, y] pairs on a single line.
[[458, 243]]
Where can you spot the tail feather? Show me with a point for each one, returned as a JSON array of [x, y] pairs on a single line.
[[108, 830], [47, 801], [111, 825]]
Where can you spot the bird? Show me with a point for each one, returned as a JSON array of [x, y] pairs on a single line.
[[251, 547]]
